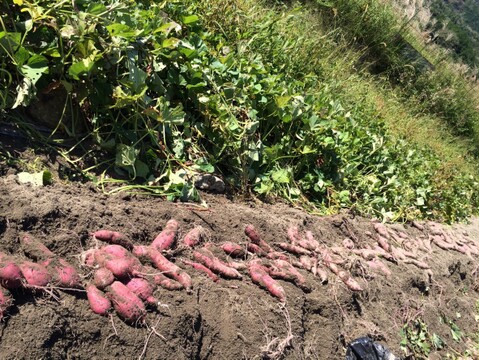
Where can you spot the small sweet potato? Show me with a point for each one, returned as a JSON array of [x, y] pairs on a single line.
[[294, 249], [206, 258], [382, 230], [277, 255], [143, 289], [253, 235], [378, 265], [203, 269], [123, 268], [383, 242], [34, 248], [113, 237], [98, 301], [282, 269], [417, 263], [116, 251], [194, 237], [103, 278], [233, 249], [35, 275], [349, 281], [293, 234], [169, 269], [63, 274], [260, 276], [255, 249], [348, 243], [10, 274], [166, 238], [127, 305]]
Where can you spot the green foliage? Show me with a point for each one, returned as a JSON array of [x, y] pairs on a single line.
[[418, 341], [176, 87]]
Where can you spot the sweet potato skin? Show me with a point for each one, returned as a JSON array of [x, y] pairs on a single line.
[[35, 275], [194, 237], [166, 238], [113, 237], [206, 258], [98, 301], [143, 289], [127, 305], [103, 278], [259, 276], [10, 274]]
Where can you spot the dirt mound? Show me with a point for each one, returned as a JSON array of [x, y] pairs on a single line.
[[233, 319]]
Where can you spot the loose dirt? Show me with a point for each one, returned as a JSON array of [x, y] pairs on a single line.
[[229, 319]]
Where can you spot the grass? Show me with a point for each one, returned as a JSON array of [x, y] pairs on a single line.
[[281, 100]]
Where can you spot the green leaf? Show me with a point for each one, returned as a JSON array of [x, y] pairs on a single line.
[[36, 179], [125, 156], [96, 8], [171, 43], [121, 30], [190, 19], [36, 66], [280, 176], [82, 68]]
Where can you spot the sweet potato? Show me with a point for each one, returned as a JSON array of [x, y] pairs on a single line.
[[34, 248], [348, 243], [310, 242], [382, 230], [63, 274], [260, 276], [155, 276], [305, 262], [167, 283], [113, 237], [116, 251], [127, 305], [206, 258], [366, 254], [98, 301], [103, 278], [378, 265], [277, 255], [35, 275], [166, 238], [233, 249], [349, 281], [237, 265], [123, 268], [140, 251], [284, 270], [255, 249], [143, 289], [293, 234], [253, 235], [417, 263], [194, 237], [203, 269], [169, 269], [294, 249], [383, 242], [10, 274], [322, 274]]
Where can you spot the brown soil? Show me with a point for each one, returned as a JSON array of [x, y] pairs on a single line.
[[230, 319]]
